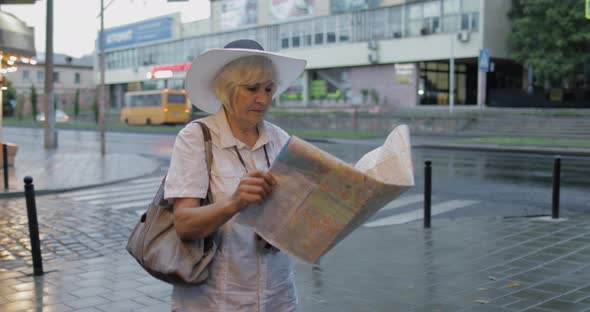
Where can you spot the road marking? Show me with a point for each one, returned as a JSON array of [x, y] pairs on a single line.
[[417, 214], [111, 201], [146, 180], [118, 187], [139, 203], [403, 201], [119, 193]]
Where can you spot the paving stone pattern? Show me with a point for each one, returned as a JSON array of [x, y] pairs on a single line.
[[68, 231], [62, 170], [459, 265]]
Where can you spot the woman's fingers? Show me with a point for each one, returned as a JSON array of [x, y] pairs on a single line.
[[254, 188], [264, 175]]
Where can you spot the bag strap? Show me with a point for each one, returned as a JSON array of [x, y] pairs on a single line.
[[209, 240], [208, 157]]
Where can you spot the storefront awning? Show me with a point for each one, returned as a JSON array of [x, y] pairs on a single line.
[[16, 38]]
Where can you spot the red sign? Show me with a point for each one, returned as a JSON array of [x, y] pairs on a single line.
[[172, 67]]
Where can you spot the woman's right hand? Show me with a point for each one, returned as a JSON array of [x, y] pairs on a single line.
[[254, 187]]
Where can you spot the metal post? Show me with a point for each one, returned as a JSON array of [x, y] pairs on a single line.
[[33, 226], [481, 76], [556, 182], [5, 163], [49, 104], [452, 75], [427, 192], [102, 100]]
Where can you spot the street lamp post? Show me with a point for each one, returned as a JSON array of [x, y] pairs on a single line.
[[50, 133], [452, 75], [102, 90]]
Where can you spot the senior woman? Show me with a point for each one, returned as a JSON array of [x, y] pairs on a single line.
[[236, 84]]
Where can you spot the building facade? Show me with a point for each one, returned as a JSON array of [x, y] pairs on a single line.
[[378, 54], [70, 75]]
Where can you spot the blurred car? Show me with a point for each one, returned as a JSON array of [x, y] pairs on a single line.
[[60, 116]]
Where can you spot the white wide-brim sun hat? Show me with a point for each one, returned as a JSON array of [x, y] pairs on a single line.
[[205, 67]]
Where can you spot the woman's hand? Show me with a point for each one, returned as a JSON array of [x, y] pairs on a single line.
[[254, 187]]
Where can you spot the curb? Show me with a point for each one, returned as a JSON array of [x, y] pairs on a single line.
[[41, 192], [509, 149]]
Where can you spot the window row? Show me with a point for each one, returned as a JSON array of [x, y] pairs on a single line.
[[41, 76], [408, 20]]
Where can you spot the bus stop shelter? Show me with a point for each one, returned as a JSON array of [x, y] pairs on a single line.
[[17, 46]]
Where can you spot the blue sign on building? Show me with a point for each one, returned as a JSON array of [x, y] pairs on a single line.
[[142, 32], [484, 60]]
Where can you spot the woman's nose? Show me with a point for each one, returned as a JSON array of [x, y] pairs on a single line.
[[261, 95]]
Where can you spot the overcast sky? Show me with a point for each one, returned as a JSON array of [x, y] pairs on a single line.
[[76, 22]]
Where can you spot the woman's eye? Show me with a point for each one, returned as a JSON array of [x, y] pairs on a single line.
[[252, 89], [268, 90]]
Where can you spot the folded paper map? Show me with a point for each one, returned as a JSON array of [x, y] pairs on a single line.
[[319, 199]]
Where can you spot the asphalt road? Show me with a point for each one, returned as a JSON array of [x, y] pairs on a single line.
[[465, 183]]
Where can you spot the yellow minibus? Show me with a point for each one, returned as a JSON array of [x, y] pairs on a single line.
[[156, 107]]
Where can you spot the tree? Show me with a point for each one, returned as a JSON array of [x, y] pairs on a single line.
[[77, 104], [33, 102], [95, 107], [8, 99], [20, 102], [552, 36]]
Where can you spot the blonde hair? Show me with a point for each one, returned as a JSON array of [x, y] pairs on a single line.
[[245, 70]]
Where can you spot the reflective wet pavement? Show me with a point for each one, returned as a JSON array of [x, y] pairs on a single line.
[[476, 264], [472, 263]]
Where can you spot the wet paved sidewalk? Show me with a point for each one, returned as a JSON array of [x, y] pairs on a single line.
[[68, 169], [489, 264]]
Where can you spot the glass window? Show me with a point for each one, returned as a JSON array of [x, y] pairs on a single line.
[[344, 32], [295, 33], [378, 22], [470, 6], [431, 9], [331, 27], [450, 7], [415, 11], [306, 31], [26, 75], [415, 22], [475, 21], [176, 98], [319, 31], [331, 37], [40, 75], [284, 30], [77, 78], [468, 22], [55, 77], [395, 22]]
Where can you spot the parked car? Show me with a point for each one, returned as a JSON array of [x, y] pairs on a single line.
[[60, 116]]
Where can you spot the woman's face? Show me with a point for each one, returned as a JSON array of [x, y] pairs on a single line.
[[251, 101]]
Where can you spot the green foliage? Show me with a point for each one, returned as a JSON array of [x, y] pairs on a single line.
[[77, 104], [552, 36], [8, 99], [20, 103], [95, 107], [33, 102]]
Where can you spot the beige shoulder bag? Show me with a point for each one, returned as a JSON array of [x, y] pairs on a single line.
[[158, 249]]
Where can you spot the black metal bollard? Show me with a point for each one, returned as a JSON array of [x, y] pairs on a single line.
[[556, 184], [427, 192], [33, 226], [5, 161]]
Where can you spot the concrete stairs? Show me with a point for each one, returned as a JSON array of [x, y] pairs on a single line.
[[529, 125]]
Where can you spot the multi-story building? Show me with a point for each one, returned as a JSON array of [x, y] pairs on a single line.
[[381, 54], [70, 75]]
